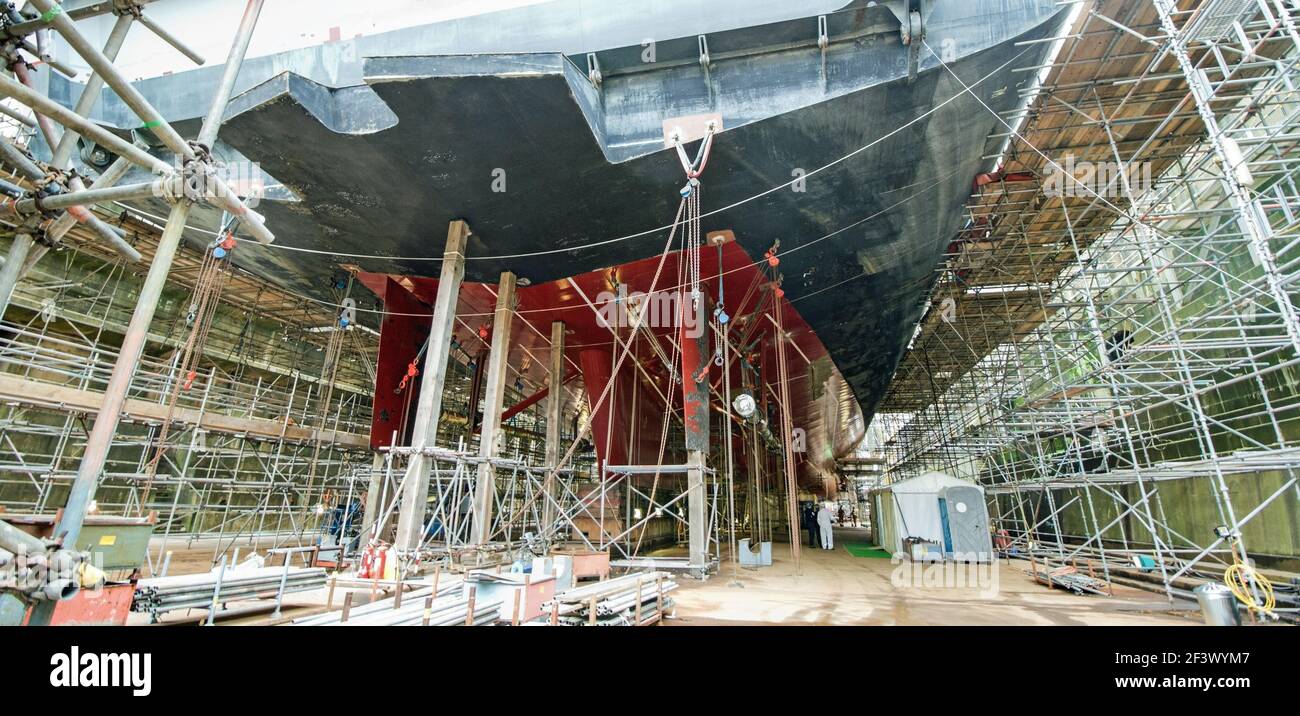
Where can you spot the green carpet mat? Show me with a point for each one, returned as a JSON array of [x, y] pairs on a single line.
[[868, 551]]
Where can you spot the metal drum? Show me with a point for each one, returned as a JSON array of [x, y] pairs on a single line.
[[1218, 604]]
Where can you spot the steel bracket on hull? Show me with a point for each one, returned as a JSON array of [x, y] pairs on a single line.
[[903, 9], [913, 37], [912, 17], [823, 41], [705, 62]]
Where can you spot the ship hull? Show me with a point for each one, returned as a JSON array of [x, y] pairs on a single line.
[[506, 143], [854, 161]]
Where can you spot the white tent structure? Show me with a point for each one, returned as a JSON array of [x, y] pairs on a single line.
[[937, 508]]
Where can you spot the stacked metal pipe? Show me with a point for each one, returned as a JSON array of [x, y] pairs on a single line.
[[451, 610], [164, 594], [447, 586], [617, 599], [449, 607]]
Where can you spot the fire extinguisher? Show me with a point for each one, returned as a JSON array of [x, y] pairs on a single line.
[[373, 562], [367, 558]]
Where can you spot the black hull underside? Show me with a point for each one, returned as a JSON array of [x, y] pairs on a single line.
[[860, 240]]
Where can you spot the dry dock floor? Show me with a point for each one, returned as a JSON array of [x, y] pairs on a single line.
[[833, 588], [836, 588]]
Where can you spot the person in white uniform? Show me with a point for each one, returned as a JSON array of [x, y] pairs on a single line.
[[824, 522]]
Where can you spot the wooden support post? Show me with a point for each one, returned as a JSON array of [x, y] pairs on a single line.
[[469, 609], [415, 491], [520, 595], [659, 598], [493, 400], [638, 601], [372, 507], [591, 613], [347, 607], [554, 416], [428, 611]]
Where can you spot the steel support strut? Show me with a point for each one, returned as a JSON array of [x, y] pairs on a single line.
[[428, 411], [554, 414], [493, 399]]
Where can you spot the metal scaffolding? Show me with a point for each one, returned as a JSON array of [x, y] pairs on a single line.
[[244, 410], [581, 509], [258, 417], [1111, 348]]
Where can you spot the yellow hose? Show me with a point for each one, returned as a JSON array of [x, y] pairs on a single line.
[[1239, 578]]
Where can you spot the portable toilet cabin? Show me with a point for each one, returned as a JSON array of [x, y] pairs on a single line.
[[939, 509]]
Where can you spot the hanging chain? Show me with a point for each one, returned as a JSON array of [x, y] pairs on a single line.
[[208, 287], [693, 237]]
